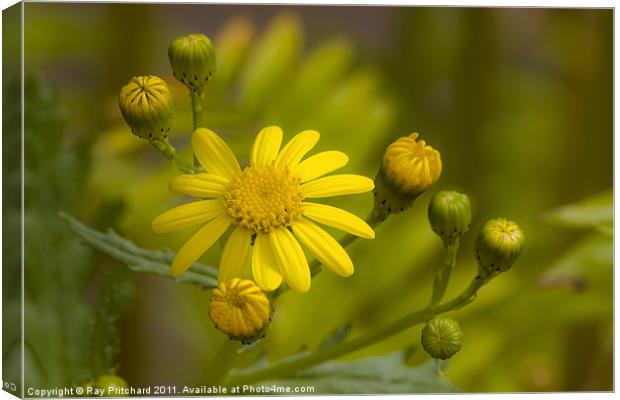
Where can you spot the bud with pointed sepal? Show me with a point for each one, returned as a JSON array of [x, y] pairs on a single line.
[[192, 58]]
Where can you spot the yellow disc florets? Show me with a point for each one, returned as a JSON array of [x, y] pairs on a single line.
[[146, 105], [262, 198], [412, 165], [239, 308]]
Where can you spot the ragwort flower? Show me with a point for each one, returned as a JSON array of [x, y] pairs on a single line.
[[266, 203]]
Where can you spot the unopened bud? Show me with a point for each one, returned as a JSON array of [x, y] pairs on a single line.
[[192, 58], [498, 246], [240, 309], [146, 105], [449, 214], [442, 338], [409, 167]]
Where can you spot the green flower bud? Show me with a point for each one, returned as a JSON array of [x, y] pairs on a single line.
[[110, 384], [498, 245], [192, 58], [449, 213], [409, 167], [442, 338], [146, 105]]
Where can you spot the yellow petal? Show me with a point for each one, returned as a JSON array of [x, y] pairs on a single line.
[[324, 247], [291, 259], [337, 185], [198, 244], [296, 148], [214, 154], [338, 218], [199, 185], [188, 215], [266, 146], [235, 255], [264, 267], [320, 164]]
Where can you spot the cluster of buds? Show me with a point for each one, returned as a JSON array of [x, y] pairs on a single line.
[[409, 167], [145, 101]]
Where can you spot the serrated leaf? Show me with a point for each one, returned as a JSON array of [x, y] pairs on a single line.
[[371, 375], [138, 259]]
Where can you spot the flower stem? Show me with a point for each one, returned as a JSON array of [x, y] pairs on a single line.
[[442, 275], [288, 368], [167, 150], [196, 96]]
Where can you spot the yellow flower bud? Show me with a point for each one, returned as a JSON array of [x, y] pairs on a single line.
[[498, 246], [442, 338], [240, 309], [146, 105], [409, 167], [192, 58]]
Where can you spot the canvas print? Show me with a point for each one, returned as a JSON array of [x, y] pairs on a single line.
[[229, 199]]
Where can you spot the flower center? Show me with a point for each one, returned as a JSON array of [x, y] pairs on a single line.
[[262, 198]]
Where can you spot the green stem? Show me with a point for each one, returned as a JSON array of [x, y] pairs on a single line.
[[196, 96], [288, 368], [442, 275], [167, 150]]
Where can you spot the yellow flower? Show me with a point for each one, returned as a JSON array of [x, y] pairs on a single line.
[[240, 309], [409, 167], [266, 203]]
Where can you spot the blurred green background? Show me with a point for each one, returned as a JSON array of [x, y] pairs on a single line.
[[518, 102]]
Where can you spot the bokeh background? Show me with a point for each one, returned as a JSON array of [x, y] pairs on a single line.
[[518, 102]]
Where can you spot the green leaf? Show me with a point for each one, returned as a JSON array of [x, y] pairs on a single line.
[[589, 260], [371, 375], [138, 259], [596, 211]]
